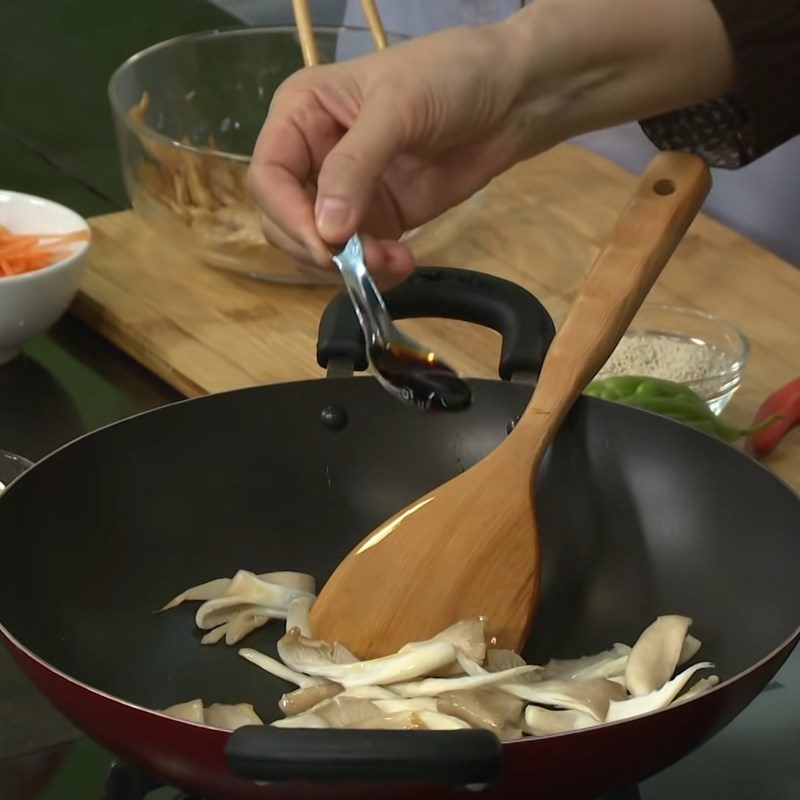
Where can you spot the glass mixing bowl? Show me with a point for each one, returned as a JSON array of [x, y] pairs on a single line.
[[187, 113]]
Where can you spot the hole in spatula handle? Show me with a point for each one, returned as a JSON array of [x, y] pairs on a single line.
[[664, 187]]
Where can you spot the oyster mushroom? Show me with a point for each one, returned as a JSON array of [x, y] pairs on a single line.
[[246, 591], [243, 623], [498, 660], [545, 721], [215, 634], [690, 648], [656, 654], [399, 704], [493, 710], [231, 717], [335, 663], [654, 701], [590, 697], [291, 580], [307, 720], [345, 712], [203, 591], [703, 685], [467, 636], [608, 664], [436, 721], [413, 720], [430, 687], [404, 720], [274, 667], [188, 712], [370, 693], [210, 590], [301, 700], [298, 615]]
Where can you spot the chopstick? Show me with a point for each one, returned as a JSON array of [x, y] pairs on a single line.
[[305, 28], [375, 24]]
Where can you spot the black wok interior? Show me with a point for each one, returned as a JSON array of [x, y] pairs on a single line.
[[639, 516]]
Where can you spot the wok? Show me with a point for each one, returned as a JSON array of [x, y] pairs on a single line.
[[640, 516]]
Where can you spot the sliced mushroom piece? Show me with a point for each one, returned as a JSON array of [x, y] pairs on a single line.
[[498, 660], [370, 693], [303, 653], [242, 624], [608, 664], [467, 636], [203, 591], [300, 700], [430, 687], [274, 667], [345, 712], [661, 698], [493, 710], [703, 685], [655, 656], [188, 712], [314, 657], [246, 591], [590, 696], [298, 615], [231, 717], [403, 720], [690, 648], [407, 704], [545, 721], [215, 634], [532, 674], [436, 721], [292, 580], [306, 720]]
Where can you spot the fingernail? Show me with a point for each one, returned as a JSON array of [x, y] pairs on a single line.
[[332, 217]]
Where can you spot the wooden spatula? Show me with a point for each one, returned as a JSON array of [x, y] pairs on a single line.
[[470, 547]]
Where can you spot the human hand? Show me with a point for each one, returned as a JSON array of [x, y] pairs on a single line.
[[384, 143]]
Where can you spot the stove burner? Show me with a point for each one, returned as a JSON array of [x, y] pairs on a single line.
[[128, 783]]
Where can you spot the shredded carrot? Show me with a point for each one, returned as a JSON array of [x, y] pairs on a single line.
[[20, 253]]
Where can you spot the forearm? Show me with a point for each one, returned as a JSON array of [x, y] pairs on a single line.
[[590, 64]]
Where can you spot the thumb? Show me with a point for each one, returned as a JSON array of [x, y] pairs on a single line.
[[351, 170]]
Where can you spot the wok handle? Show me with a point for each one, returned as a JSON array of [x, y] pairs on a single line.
[[523, 322], [462, 758]]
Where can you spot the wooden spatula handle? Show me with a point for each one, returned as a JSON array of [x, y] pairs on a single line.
[[669, 195]]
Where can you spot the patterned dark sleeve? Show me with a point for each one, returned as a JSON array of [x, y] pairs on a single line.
[[764, 112]]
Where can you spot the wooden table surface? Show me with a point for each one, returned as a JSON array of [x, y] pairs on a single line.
[[539, 225]]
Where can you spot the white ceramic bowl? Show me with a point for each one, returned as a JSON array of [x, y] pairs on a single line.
[[32, 302]]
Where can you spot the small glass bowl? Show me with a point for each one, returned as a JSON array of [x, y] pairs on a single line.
[[187, 113], [718, 350], [11, 467]]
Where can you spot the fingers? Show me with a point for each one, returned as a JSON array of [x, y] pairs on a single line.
[[389, 262], [350, 172], [280, 169]]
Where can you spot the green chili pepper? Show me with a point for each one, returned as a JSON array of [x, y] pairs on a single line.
[[670, 399]]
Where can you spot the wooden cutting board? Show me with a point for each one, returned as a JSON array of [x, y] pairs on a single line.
[[539, 225]]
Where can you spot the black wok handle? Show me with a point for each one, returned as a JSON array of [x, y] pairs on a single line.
[[523, 322], [462, 758]]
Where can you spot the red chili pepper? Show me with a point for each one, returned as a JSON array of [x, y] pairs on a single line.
[[784, 405]]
